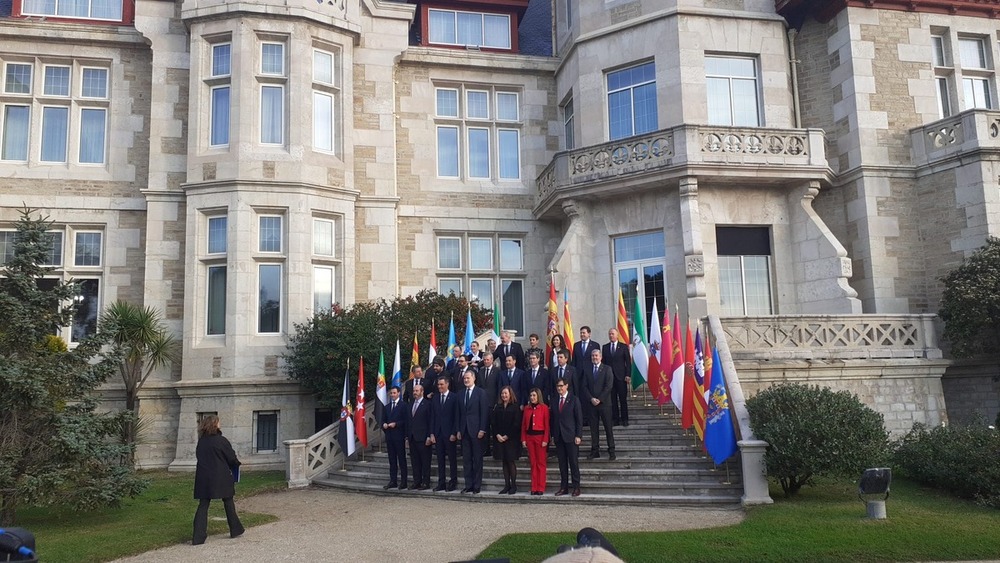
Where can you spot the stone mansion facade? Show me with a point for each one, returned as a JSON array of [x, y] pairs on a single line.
[[241, 165]]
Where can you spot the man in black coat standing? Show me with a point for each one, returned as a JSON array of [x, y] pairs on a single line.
[[417, 377], [509, 348], [596, 383], [582, 350], [536, 377], [444, 435], [567, 432], [394, 419], [214, 478], [419, 437], [473, 413], [618, 357]]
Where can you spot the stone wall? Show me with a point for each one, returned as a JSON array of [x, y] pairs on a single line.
[[972, 391]]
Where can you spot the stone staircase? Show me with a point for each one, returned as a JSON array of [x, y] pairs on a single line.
[[657, 464]]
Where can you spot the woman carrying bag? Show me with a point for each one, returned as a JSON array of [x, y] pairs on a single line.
[[214, 478]]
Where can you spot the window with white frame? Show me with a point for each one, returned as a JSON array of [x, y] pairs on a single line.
[[214, 258], [485, 267], [325, 95], [478, 133], [265, 432], [75, 254], [272, 78], [568, 123], [54, 113], [632, 101], [977, 72], [469, 29], [744, 270], [326, 261], [733, 91], [219, 82], [101, 10], [944, 73], [270, 259], [640, 266]]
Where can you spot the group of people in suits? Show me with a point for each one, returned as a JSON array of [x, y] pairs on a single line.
[[501, 402]]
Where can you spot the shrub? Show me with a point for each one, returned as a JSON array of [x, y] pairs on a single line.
[[814, 431], [961, 459], [970, 303]]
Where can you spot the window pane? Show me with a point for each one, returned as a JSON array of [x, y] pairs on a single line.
[[216, 300], [644, 100], [477, 104], [17, 79], [95, 83], [322, 288], [7, 246], [15, 133], [620, 114], [511, 255], [971, 53], [267, 432], [55, 128], [220, 116], [568, 125], [449, 253], [270, 299], [719, 110], [628, 283], [938, 42], [270, 234], [944, 98], [448, 286], [92, 127], [322, 121], [447, 102], [323, 67], [480, 254], [483, 291], [479, 153], [55, 256], [745, 108], [272, 58], [221, 59], [654, 290], [510, 154], [106, 9], [977, 92], [470, 29], [496, 31], [272, 112], [216, 235], [513, 305], [507, 106], [322, 237], [56, 81], [758, 285], [88, 306], [447, 141], [441, 26], [730, 285], [71, 8], [639, 247], [40, 7], [88, 249]]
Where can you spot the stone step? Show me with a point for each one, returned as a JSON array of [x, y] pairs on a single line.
[[621, 464]]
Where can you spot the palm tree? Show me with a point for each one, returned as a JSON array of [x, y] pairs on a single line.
[[144, 344]]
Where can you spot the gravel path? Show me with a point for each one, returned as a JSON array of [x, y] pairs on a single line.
[[331, 525]]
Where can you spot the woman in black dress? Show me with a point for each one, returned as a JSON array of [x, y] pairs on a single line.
[[214, 478], [506, 427], [559, 344]]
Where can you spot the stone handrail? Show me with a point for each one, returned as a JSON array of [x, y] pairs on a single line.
[[311, 457], [970, 130], [831, 337]]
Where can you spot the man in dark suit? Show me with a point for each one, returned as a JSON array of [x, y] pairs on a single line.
[[509, 348], [618, 357], [394, 419], [457, 372], [487, 378], [536, 376], [595, 390], [563, 370], [444, 435], [473, 412], [435, 370], [417, 378], [512, 376], [567, 433], [582, 350], [419, 434]]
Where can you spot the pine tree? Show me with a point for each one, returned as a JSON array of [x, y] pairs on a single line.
[[55, 449]]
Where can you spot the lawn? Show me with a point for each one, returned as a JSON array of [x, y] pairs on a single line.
[[823, 523], [159, 517]]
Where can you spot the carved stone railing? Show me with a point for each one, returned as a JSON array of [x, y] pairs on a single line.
[[316, 455], [685, 145], [831, 337], [968, 131]]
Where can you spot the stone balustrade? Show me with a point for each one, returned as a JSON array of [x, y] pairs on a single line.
[[316, 455], [831, 337], [950, 137]]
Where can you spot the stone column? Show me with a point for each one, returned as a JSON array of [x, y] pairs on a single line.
[[694, 259]]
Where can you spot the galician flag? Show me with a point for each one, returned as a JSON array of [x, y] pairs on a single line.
[[345, 435], [640, 354], [360, 427], [397, 371], [432, 349], [677, 367], [720, 437], [654, 372]]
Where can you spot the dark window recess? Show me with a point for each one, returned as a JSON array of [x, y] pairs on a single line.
[[267, 432], [324, 418], [743, 241]]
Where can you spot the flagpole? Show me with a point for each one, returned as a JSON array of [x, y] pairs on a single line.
[[344, 466], [363, 422]]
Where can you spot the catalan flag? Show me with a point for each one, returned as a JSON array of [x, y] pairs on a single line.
[[567, 323], [553, 321], [698, 394], [623, 335]]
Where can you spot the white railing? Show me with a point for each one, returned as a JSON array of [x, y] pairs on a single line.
[[316, 455], [834, 337]]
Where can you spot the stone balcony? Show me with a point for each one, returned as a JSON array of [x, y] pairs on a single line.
[[955, 137], [748, 155]]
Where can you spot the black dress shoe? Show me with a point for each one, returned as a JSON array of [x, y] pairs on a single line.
[[389, 486], [236, 534], [594, 455], [512, 491], [439, 488], [475, 491], [576, 492], [467, 490], [503, 491], [612, 457], [413, 487], [450, 488], [197, 542], [625, 423], [561, 492]]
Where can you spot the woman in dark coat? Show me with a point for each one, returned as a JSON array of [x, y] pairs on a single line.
[[214, 478], [505, 423]]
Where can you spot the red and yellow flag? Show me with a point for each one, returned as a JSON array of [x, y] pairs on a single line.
[[567, 323], [415, 356], [668, 353], [553, 323], [687, 411], [623, 335]]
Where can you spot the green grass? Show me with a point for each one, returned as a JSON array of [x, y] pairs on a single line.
[[161, 516], [822, 523]]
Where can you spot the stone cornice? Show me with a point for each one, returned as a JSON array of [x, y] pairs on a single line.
[[795, 11]]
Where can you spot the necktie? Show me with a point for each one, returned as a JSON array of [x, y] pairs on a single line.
[[415, 405], [562, 401], [561, 371], [392, 407], [510, 374], [468, 396], [595, 371], [443, 397], [612, 347], [534, 374]]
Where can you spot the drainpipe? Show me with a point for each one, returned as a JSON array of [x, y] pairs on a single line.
[[793, 64]]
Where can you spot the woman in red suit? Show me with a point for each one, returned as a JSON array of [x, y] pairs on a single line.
[[535, 436]]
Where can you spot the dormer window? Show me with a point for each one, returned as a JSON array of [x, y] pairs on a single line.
[[89, 11], [469, 29]]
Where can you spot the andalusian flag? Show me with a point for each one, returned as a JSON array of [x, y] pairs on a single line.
[[568, 324], [553, 320], [415, 355], [345, 435], [677, 367], [622, 327], [432, 350], [360, 428], [654, 371], [640, 355]]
